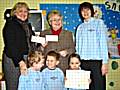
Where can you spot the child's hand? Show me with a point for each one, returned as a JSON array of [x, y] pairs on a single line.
[[89, 80], [104, 69], [65, 78], [23, 67]]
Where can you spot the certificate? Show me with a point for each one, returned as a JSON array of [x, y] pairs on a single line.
[[38, 39], [77, 79], [53, 38]]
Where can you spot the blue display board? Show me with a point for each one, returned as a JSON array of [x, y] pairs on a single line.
[[71, 16]]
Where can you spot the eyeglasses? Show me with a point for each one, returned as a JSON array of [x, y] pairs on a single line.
[[56, 20]]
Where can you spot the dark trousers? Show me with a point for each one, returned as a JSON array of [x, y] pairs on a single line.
[[98, 82], [11, 73]]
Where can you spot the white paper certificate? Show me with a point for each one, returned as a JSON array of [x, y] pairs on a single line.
[[53, 38], [77, 79], [38, 39]]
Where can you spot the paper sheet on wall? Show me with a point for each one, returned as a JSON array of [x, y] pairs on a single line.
[[77, 79]]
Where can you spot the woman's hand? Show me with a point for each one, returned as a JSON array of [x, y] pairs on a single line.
[[63, 53], [45, 44], [104, 69], [23, 67]]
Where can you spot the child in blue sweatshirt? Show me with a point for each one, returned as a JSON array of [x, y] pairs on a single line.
[[33, 80], [53, 76]]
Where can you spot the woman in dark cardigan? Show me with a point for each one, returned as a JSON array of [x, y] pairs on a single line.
[[16, 35]]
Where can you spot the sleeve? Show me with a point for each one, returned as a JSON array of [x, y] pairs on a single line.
[[103, 42], [62, 80], [78, 40], [22, 83], [32, 44], [9, 35], [43, 81], [62, 76], [45, 87], [71, 43]]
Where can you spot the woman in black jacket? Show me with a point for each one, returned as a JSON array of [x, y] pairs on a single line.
[[17, 34]]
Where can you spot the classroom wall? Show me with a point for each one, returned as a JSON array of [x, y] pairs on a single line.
[[113, 77]]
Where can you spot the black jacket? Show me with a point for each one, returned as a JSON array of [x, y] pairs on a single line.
[[15, 40]]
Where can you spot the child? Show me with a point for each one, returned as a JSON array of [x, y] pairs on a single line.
[[53, 76], [74, 64], [34, 79]]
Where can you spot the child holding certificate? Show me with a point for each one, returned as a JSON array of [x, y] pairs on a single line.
[[53, 76], [74, 64]]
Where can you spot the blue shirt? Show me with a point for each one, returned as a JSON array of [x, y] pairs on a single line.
[[91, 40], [32, 81], [54, 79]]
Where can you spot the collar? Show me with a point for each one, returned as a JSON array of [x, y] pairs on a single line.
[[52, 69], [89, 20], [78, 69], [18, 20], [56, 32]]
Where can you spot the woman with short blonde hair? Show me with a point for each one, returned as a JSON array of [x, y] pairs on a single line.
[[17, 34], [17, 7]]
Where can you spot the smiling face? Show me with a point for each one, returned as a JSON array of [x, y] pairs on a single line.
[[51, 62], [56, 22], [74, 63], [86, 13], [21, 13]]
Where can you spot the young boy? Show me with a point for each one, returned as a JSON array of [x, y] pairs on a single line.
[[53, 76], [34, 79]]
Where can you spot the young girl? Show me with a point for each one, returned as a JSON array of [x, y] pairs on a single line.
[[33, 80], [74, 63]]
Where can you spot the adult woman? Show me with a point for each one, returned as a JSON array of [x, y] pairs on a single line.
[[16, 35], [91, 45], [65, 45]]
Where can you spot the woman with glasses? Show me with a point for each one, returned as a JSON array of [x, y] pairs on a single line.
[[65, 45]]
